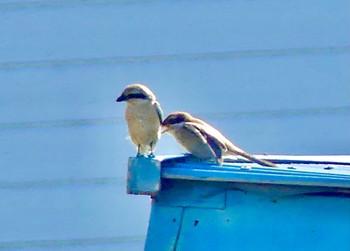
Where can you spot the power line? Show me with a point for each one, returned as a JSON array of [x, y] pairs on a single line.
[[218, 115], [64, 3], [62, 182], [173, 57], [70, 242]]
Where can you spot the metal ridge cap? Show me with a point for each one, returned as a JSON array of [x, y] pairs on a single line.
[[251, 176], [280, 170], [278, 159]]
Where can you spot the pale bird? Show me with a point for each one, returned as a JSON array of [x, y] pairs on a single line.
[[144, 117], [202, 140]]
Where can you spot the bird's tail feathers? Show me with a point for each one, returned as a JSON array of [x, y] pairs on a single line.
[[256, 160], [237, 151]]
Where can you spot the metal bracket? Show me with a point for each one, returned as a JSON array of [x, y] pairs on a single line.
[[144, 176]]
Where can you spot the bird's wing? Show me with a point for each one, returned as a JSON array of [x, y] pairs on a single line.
[[159, 111], [221, 145], [193, 129], [216, 146]]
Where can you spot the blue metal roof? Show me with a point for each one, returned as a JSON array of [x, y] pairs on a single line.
[[291, 170], [145, 174], [305, 198]]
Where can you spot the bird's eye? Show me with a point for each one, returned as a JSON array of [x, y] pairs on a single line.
[[170, 121], [176, 120], [173, 121], [137, 95]]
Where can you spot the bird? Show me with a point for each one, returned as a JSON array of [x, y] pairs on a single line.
[[144, 116], [202, 140]]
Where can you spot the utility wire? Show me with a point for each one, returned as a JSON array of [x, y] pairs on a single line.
[[302, 112], [70, 242], [171, 57]]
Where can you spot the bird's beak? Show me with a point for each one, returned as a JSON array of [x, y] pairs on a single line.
[[121, 98]]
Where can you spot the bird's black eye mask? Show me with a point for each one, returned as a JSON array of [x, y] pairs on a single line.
[[173, 120], [137, 96], [131, 96]]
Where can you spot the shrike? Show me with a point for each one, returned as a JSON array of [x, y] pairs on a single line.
[[144, 117], [202, 140]]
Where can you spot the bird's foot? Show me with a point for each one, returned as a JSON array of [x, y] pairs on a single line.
[[139, 155]]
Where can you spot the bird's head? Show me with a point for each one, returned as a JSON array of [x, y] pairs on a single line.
[[136, 92], [175, 119]]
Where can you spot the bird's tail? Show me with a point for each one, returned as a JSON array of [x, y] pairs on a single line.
[[256, 160]]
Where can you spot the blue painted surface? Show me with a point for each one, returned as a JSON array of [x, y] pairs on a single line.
[[171, 219], [277, 73], [252, 221], [243, 206], [143, 177], [289, 172]]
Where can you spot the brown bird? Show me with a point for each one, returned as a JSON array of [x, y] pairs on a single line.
[[144, 117], [202, 140]]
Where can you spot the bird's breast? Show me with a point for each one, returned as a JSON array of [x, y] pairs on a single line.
[[143, 123]]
